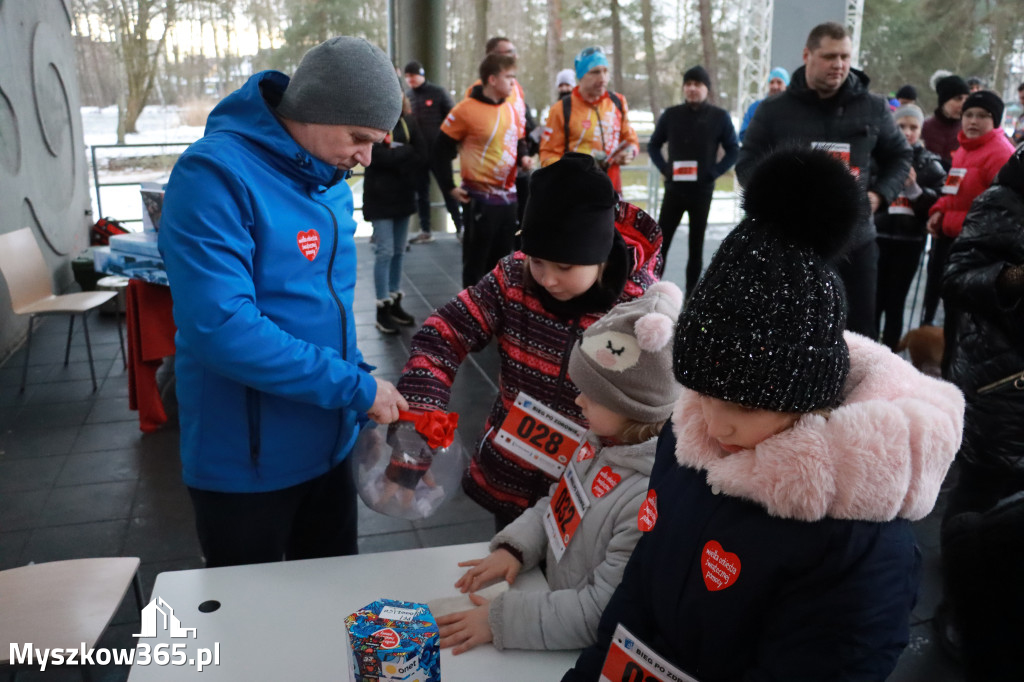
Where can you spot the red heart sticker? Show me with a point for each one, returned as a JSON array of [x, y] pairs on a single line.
[[720, 568], [429, 102], [386, 638], [648, 513], [309, 243], [605, 480], [586, 452]]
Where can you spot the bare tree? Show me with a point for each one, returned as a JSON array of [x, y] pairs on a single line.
[[650, 58], [707, 39], [555, 49], [617, 76], [481, 25]]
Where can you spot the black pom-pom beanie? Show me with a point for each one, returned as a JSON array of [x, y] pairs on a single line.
[[764, 327]]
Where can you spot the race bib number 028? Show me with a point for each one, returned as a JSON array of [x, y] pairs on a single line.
[[630, 660], [538, 435]]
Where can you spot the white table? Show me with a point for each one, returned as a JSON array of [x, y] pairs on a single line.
[[286, 621]]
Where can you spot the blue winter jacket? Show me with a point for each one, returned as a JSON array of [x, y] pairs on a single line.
[[257, 236]]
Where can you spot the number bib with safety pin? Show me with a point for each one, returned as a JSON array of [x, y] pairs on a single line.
[[953, 180], [684, 171], [564, 513], [630, 660], [537, 435], [839, 150], [901, 206]]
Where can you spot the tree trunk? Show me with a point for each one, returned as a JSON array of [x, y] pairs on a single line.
[[707, 39], [481, 25], [555, 49], [650, 59], [617, 79]]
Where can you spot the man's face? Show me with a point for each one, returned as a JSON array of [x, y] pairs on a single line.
[[954, 106], [414, 80], [505, 47], [594, 83], [503, 83], [828, 65], [694, 92], [342, 146], [776, 85]]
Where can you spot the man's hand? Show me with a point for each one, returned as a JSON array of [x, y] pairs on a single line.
[[934, 225], [623, 156], [465, 629], [498, 565], [526, 163], [386, 403], [461, 195], [875, 200]]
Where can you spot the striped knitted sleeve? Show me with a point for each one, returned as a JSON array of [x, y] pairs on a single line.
[[465, 324]]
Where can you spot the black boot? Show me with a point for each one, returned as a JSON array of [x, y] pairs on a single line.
[[385, 322], [397, 313]]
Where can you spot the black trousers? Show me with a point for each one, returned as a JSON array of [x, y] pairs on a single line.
[[423, 177], [898, 260], [697, 205], [933, 285], [489, 237], [859, 272], [314, 519]]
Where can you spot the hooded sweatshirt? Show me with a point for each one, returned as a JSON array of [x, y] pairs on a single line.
[[794, 560], [257, 237]]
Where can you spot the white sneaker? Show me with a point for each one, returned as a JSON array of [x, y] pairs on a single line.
[[422, 238]]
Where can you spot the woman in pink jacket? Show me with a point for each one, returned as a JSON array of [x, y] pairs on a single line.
[[984, 149]]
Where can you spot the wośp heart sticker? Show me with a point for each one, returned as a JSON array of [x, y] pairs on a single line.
[[648, 514], [605, 480], [719, 568], [309, 243]]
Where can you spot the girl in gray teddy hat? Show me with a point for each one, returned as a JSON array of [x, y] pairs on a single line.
[[587, 526]]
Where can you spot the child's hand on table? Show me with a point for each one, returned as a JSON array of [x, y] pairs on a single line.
[[466, 629], [498, 565]]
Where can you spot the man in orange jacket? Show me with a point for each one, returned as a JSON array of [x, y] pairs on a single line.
[[593, 120]]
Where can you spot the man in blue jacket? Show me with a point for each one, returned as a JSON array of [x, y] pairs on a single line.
[[257, 235]]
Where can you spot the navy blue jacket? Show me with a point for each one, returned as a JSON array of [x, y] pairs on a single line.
[[805, 590]]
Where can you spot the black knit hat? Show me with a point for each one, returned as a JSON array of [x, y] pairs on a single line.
[[414, 68], [949, 87], [764, 327], [907, 92], [570, 215], [987, 100], [697, 73]]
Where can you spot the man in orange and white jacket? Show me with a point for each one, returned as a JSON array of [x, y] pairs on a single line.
[[593, 120]]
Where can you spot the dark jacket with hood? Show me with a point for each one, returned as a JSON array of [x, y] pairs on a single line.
[[694, 133], [930, 177], [879, 154], [389, 185], [986, 340]]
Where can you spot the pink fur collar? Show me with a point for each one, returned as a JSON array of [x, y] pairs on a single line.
[[882, 454]]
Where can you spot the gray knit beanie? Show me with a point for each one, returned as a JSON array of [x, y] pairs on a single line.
[[624, 360], [344, 81], [909, 111]]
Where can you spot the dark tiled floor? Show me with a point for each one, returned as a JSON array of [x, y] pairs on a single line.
[[78, 478]]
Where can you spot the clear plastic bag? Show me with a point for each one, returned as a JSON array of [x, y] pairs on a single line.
[[409, 468]]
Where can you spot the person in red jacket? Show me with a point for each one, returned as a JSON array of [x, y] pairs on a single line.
[[983, 150]]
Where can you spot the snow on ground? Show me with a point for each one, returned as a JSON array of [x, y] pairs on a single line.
[[162, 124]]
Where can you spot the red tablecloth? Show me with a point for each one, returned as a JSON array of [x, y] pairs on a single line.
[[150, 339]]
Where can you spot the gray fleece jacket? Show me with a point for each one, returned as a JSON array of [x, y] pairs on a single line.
[[591, 568]]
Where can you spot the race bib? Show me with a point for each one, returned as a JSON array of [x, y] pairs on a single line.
[[841, 151], [630, 660], [537, 435], [684, 171], [953, 180], [901, 206], [565, 511]]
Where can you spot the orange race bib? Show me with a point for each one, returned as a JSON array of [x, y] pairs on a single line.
[[630, 660], [539, 436], [565, 511]]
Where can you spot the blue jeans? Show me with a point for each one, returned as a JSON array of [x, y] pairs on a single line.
[[389, 236]]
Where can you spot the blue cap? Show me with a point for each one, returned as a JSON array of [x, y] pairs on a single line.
[[779, 72], [588, 58]]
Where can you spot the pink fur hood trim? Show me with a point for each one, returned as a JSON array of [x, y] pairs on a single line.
[[880, 455]]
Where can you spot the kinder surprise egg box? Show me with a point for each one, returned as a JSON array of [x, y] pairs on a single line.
[[394, 640]]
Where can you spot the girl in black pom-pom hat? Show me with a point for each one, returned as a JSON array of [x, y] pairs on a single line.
[[778, 543]]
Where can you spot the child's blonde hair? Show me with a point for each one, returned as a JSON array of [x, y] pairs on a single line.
[[640, 432]]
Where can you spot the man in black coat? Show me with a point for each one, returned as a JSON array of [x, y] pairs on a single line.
[[430, 104], [828, 105], [694, 131]]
